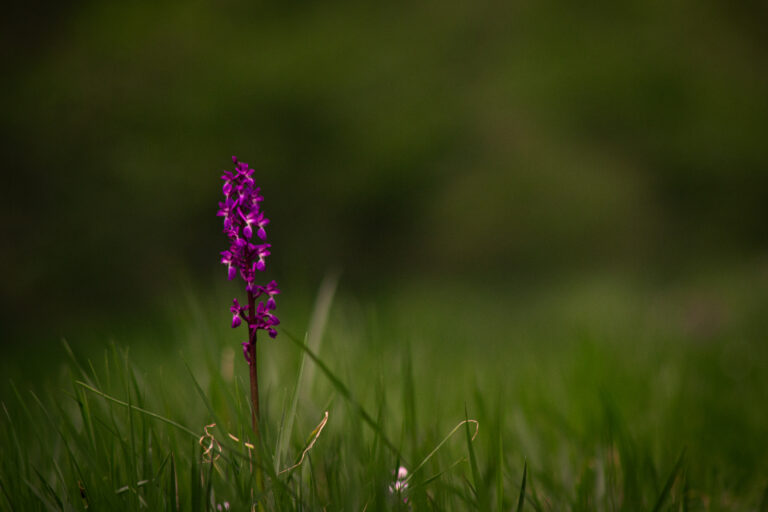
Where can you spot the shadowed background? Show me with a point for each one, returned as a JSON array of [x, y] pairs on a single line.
[[510, 142]]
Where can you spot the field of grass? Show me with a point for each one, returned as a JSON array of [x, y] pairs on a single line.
[[593, 394]]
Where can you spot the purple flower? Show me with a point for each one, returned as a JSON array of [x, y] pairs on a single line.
[[226, 258], [271, 290], [254, 217], [242, 215], [237, 312], [262, 252]]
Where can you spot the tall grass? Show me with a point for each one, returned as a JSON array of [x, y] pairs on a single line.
[[495, 408]]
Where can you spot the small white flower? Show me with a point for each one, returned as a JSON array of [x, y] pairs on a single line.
[[400, 483]]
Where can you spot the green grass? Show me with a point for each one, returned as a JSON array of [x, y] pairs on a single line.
[[588, 396]]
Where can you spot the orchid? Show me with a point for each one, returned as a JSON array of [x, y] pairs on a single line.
[[242, 215]]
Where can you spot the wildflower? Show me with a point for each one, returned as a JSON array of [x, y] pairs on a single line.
[[237, 312], [401, 483], [242, 216]]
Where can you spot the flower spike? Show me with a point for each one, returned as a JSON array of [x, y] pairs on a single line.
[[242, 217]]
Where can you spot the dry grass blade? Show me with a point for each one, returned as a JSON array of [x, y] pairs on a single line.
[[312, 439]]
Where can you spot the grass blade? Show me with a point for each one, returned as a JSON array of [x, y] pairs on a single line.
[[284, 435], [471, 450], [521, 498], [195, 483], [40, 496], [138, 409], [670, 482], [173, 486], [476, 478], [200, 392], [312, 339], [341, 388], [500, 476], [319, 317], [440, 445], [73, 359]]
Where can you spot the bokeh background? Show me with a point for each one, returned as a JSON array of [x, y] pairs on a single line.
[[505, 145], [552, 213]]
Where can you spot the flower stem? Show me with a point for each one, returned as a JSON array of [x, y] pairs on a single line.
[[254, 374], [252, 364], [254, 389]]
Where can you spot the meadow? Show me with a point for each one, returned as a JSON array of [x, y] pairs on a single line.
[[549, 217], [597, 393]]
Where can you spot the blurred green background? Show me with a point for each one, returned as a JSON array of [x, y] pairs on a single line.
[[559, 205], [512, 144]]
